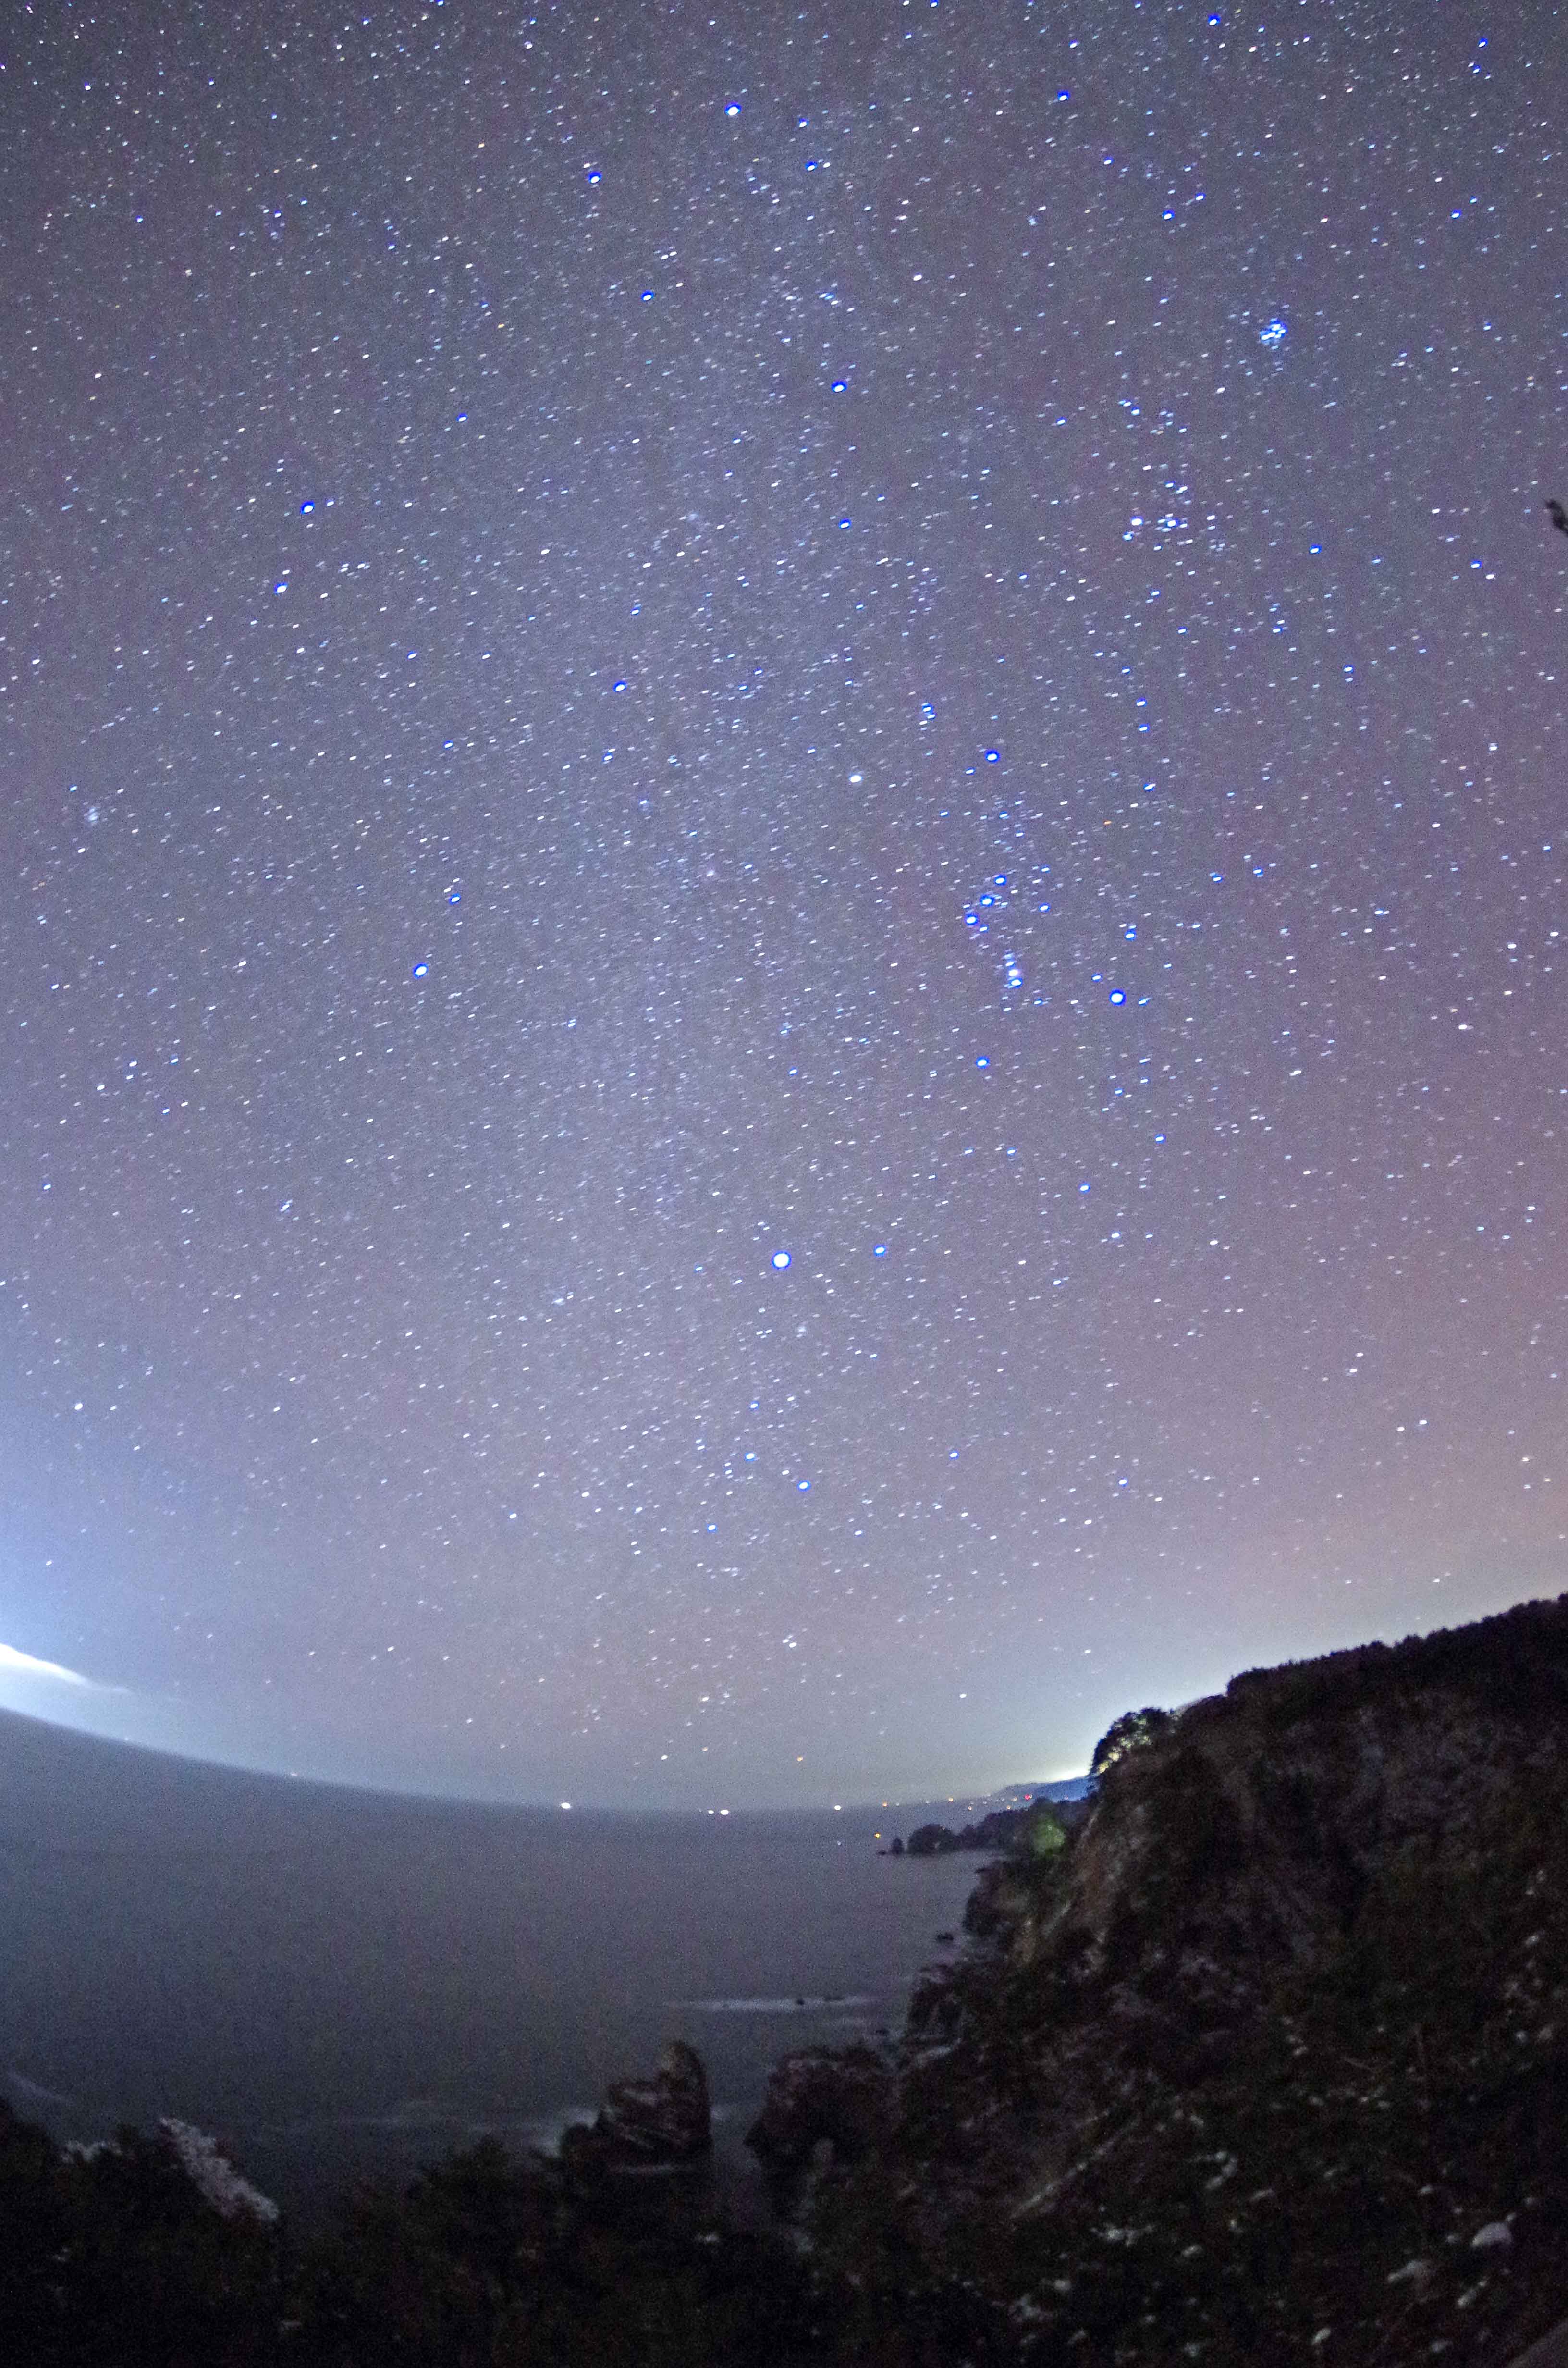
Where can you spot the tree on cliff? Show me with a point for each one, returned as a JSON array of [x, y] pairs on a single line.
[[1133, 1731]]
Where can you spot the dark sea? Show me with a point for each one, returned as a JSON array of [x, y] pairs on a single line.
[[341, 1984]]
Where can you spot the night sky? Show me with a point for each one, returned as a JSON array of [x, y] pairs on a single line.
[[782, 872]]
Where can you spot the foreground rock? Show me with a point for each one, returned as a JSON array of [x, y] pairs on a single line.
[[823, 2105], [649, 2124], [213, 2176], [180, 2147]]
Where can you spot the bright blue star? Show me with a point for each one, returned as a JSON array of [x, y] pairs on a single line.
[[781, 1260]]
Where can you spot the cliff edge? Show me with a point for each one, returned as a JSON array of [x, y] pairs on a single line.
[[1271, 2062]]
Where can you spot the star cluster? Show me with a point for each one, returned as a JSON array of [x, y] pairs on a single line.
[[783, 871]]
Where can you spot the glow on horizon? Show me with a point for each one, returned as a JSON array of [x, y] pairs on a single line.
[[28, 1668]]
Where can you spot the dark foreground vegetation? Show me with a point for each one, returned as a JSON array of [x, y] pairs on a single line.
[[119, 2262], [1266, 2061]]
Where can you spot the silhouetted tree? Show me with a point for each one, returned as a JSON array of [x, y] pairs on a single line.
[[1133, 1731]]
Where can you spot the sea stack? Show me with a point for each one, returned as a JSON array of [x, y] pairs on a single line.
[[654, 2123]]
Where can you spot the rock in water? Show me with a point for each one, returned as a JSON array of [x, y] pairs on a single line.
[[839, 2095], [664, 2120]]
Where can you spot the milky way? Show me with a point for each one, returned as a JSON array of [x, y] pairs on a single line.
[[783, 813]]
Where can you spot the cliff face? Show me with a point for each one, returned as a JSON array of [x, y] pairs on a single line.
[[1248, 2073], [1246, 1838]]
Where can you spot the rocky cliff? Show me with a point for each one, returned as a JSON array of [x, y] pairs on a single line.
[[1271, 2062]]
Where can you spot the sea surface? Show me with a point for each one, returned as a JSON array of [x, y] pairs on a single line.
[[344, 1984]]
